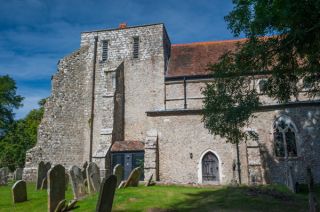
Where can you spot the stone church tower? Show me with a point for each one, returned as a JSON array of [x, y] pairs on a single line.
[[128, 96], [100, 95]]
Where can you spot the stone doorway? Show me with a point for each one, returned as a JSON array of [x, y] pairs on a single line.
[[129, 161], [210, 168]]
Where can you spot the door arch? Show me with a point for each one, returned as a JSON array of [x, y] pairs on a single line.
[[209, 168]]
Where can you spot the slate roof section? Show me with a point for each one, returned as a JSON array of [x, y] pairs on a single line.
[[192, 59], [123, 146]]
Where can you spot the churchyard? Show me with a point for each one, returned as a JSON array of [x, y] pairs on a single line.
[[81, 189]]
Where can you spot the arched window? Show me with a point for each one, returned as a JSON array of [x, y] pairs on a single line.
[[284, 138]]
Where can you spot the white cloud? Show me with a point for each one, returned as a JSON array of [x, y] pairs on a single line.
[[32, 97]]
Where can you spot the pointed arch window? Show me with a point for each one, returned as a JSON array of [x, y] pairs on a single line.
[[284, 138]]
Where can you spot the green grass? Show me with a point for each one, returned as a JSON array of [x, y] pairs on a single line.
[[177, 198]]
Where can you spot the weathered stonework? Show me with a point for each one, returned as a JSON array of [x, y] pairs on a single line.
[[100, 97], [151, 155]]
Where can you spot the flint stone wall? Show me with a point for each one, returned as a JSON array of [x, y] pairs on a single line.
[[178, 136], [64, 128], [64, 133]]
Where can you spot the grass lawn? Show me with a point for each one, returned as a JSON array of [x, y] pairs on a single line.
[[177, 198]]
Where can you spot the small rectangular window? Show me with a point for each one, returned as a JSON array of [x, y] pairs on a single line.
[[105, 50], [136, 47]]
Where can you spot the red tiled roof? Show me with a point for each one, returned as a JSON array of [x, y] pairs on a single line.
[[120, 146], [192, 59]]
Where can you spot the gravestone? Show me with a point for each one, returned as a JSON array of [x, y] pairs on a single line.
[[77, 182], [19, 191], [48, 166], [44, 184], [313, 203], [43, 169], [61, 206], [84, 170], [4, 172], [85, 182], [56, 186], [72, 205], [121, 185], [118, 172], [67, 180], [148, 183], [106, 195], [290, 183], [93, 176], [133, 179], [18, 174]]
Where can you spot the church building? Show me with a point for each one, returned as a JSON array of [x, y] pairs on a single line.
[[128, 96]]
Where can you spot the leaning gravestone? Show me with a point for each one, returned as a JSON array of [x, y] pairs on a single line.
[[84, 170], [77, 182], [56, 186], [118, 172], [106, 195], [61, 206], [67, 180], [133, 179], [313, 203], [19, 191], [93, 176], [42, 173], [290, 183], [44, 184], [148, 183], [4, 172], [18, 174]]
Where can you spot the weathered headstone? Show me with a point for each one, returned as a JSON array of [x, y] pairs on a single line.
[[84, 170], [106, 195], [19, 191], [93, 176], [313, 203], [4, 172], [61, 206], [77, 182], [43, 169], [56, 186], [67, 180], [48, 166], [121, 185], [18, 174], [148, 183], [72, 205], [118, 172], [44, 184], [41, 174], [290, 182], [133, 179], [85, 182]]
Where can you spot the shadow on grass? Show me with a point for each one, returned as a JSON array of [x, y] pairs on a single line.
[[242, 199]]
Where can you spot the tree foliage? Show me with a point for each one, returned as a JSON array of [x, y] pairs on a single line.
[[282, 46], [9, 100], [20, 136]]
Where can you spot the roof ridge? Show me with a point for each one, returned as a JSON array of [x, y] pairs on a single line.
[[209, 42]]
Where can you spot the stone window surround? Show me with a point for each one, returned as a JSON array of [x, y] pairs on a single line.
[[288, 122], [135, 47], [104, 50]]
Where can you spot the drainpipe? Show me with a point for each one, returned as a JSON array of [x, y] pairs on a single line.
[[185, 92], [92, 94], [238, 163]]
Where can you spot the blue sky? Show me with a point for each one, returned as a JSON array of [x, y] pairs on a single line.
[[35, 34]]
